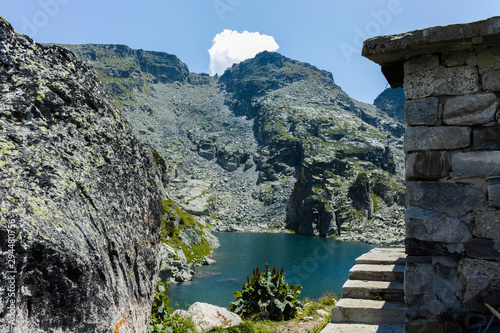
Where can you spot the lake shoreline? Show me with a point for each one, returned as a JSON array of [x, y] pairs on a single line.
[[307, 260]]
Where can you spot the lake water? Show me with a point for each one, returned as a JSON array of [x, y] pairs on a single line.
[[320, 265]]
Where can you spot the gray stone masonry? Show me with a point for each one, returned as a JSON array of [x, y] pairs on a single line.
[[474, 109], [422, 138], [432, 164], [452, 85], [422, 111]]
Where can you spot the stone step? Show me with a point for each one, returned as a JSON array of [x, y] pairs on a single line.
[[364, 311], [376, 290], [377, 272], [383, 256], [360, 328]]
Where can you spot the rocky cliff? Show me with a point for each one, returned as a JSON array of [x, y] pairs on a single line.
[[310, 131], [79, 202], [272, 143], [392, 101]]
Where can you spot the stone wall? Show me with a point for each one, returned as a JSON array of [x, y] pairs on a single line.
[[451, 79]]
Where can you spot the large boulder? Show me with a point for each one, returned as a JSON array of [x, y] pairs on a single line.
[[195, 197], [206, 316], [79, 202]]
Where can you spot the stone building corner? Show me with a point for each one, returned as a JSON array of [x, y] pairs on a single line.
[[451, 78]]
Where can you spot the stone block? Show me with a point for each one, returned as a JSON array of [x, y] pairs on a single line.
[[488, 59], [431, 226], [455, 58], [421, 63], [442, 81], [491, 81], [422, 111], [453, 200], [427, 165], [476, 164], [437, 138], [481, 248], [487, 224], [472, 109], [418, 260], [415, 283], [481, 280], [486, 138], [431, 292], [494, 191], [418, 247]]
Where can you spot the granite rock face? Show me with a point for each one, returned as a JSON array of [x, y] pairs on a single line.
[[79, 202], [392, 101]]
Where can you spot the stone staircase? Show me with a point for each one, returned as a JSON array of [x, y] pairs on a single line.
[[373, 297]]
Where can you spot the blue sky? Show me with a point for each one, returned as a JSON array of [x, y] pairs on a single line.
[[324, 33]]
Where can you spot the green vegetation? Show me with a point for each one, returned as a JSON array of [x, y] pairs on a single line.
[[249, 326], [158, 159], [163, 319], [266, 295], [375, 200], [325, 302], [170, 233]]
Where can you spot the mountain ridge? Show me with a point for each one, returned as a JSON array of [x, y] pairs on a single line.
[[261, 122]]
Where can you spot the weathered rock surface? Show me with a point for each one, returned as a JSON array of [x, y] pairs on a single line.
[[186, 242], [437, 138], [79, 202], [494, 191], [475, 109], [174, 266], [392, 101], [422, 111], [206, 316], [491, 81], [430, 226], [441, 81], [427, 165], [486, 138], [196, 197], [454, 200], [479, 278], [476, 164], [487, 225]]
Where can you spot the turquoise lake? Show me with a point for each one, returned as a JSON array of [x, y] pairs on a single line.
[[320, 265]]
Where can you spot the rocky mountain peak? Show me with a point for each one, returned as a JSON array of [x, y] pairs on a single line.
[[265, 72], [274, 68], [164, 67], [392, 101], [273, 142]]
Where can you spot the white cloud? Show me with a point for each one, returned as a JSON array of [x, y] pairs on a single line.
[[231, 47]]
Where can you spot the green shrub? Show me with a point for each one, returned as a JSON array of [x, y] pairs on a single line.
[[163, 319], [325, 302], [266, 295], [242, 328]]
